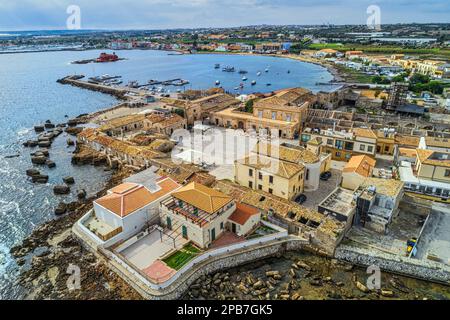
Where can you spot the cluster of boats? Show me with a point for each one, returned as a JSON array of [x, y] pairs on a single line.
[[106, 80], [244, 78]]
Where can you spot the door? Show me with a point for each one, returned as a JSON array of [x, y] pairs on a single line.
[[233, 227], [169, 223], [213, 234], [184, 232]]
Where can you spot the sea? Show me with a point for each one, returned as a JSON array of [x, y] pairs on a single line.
[[30, 95]]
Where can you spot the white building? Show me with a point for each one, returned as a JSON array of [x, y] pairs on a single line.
[[126, 210]]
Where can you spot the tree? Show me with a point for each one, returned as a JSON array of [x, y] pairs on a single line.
[[249, 106]]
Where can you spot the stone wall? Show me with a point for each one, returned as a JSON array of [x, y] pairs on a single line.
[[214, 264], [426, 270]]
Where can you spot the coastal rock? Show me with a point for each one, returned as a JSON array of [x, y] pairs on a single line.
[[43, 151], [44, 143], [49, 125], [61, 209], [72, 122], [32, 172], [38, 159], [81, 194], [61, 190], [74, 130], [39, 128], [39, 178], [30, 143], [50, 164], [69, 180], [387, 293], [361, 287], [70, 142]]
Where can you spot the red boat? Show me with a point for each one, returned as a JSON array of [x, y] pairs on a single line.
[[105, 57]]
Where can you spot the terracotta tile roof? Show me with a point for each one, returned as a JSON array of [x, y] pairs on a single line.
[[273, 166], [437, 142], [294, 155], [242, 213], [407, 152], [122, 121], [127, 198], [203, 198], [388, 187], [361, 165], [365, 133], [434, 158], [404, 140]]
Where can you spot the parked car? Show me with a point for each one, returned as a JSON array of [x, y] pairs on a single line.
[[325, 175], [300, 199]]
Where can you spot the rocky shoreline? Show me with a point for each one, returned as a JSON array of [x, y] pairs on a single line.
[[304, 276]]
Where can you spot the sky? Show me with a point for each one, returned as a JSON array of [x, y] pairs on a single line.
[[166, 14]]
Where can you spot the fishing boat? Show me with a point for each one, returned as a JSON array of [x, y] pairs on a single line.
[[253, 82], [217, 82], [228, 69], [259, 73], [244, 78], [289, 71], [267, 70], [243, 71], [217, 66], [268, 84]]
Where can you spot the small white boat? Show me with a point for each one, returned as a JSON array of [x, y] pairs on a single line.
[[267, 70], [259, 73], [253, 82], [244, 78], [217, 82]]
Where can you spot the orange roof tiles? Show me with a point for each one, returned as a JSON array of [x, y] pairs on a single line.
[[242, 213], [127, 198], [203, 198], [361, 165]]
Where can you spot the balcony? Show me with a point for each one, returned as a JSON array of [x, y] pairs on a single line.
[[189, 212]]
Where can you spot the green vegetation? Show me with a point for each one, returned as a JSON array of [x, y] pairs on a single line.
[[249, 106], [179, 112], [180, 258], [419, 83], [353, 75]]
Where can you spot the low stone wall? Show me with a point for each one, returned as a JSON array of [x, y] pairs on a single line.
[[214, 264], [426, 270]]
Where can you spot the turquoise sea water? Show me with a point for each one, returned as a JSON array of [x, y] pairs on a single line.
[[29, 95]]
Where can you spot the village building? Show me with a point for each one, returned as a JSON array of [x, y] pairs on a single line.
[[342, 145], [122, 125], [377, 202], [285, 112], [126, 210], [201, 215], [356, 171], [164, 124], [340, 205]]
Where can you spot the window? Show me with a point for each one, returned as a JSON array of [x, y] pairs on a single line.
[[288, 118], [349, 146], [270, 179], [260, 114], [270, 191], [250, 184], [362, 147], [260, 187], [447, 173], [339, 144], [338, 154], [330, 142], [250, 172], [307, 174], [370, 148], [274, 115], [386, 148], [221, 226], [348, 156], [260, 176]]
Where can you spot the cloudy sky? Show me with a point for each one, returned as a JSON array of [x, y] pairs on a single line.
[[157, 14]]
